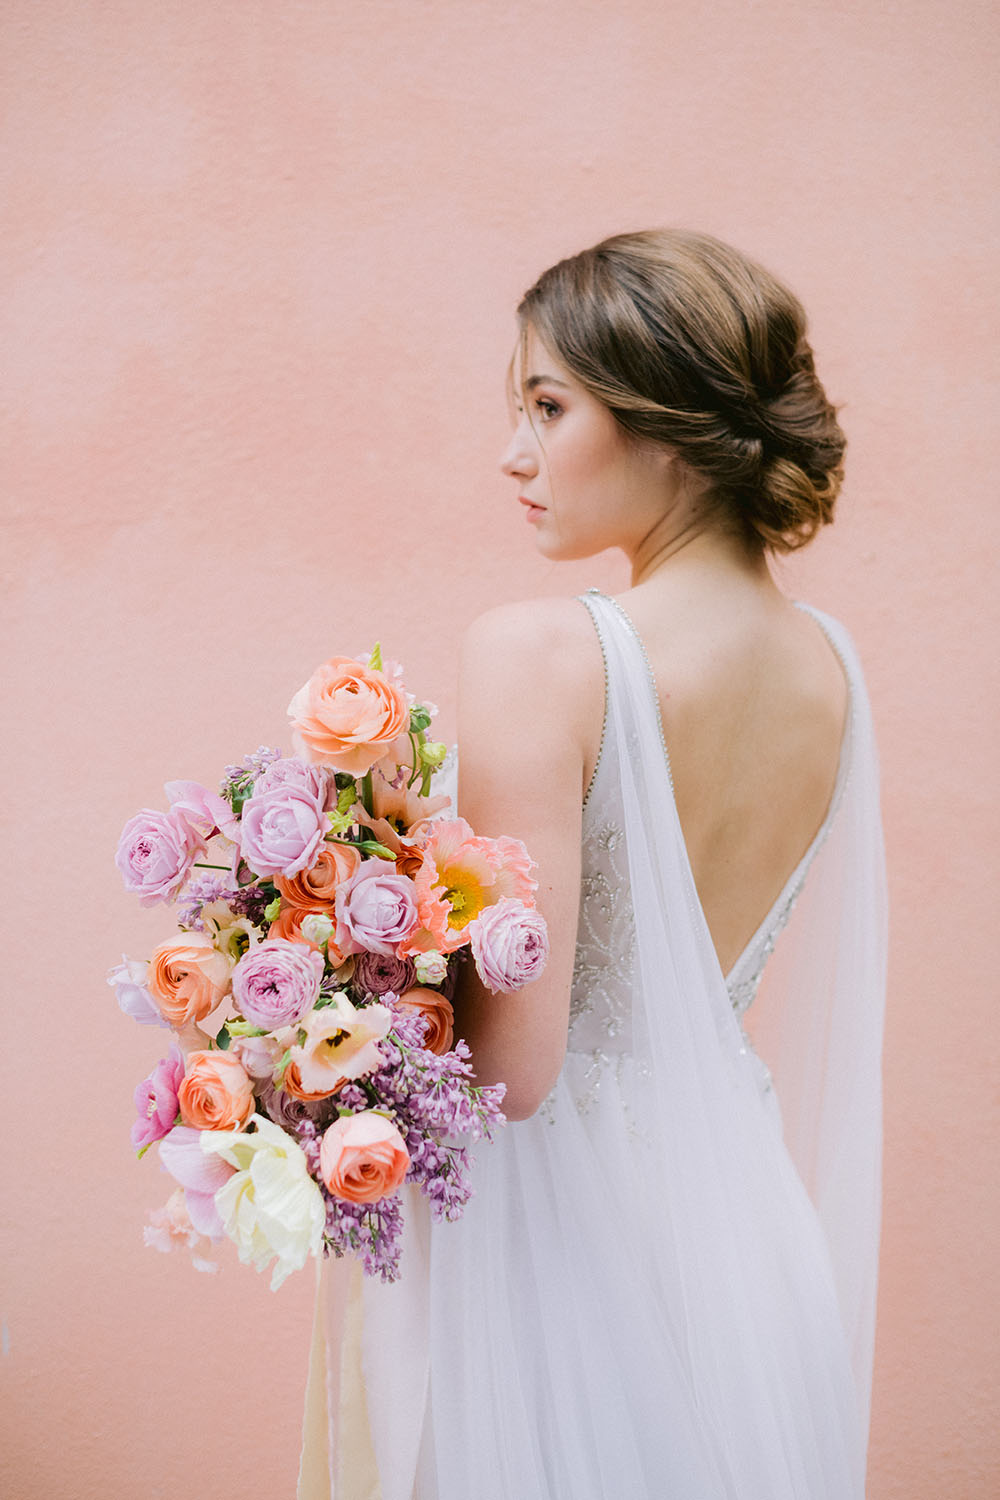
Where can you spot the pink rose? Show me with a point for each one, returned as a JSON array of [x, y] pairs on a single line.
[[156, 1100], [291, 770], [363, 1157], [282, 830], [510, 944], [276, 982], [376, 909], [155, 852]]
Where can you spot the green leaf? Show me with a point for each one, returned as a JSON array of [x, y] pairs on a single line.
[[223, 1039]]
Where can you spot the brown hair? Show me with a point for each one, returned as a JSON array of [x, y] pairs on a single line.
[[690, 343]]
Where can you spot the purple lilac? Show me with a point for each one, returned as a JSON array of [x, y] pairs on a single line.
[[249, 769], [199, 892]]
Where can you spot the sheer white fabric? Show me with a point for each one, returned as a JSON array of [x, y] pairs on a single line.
[[664, 1286]]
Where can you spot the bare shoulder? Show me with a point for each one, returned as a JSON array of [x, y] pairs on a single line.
[[537, 663], [545, 647]]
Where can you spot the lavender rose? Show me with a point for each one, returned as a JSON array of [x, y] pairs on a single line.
[[378, 973], [155, 852], [276, 983], [376, 908], [291, 771], [510, 944], [282, 830]]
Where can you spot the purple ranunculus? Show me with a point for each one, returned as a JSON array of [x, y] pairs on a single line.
[[376, 909], [291, 770], [282, 830], [156, 1100], [288, 1112], [510, 944], [155, 852], [379, 973], [276, 983], [128, 980]]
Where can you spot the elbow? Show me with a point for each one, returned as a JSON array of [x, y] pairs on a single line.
[[522, 1101]]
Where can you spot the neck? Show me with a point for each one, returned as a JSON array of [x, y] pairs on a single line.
[[696, 541]]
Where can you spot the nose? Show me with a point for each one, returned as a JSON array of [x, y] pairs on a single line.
[[519, 459]]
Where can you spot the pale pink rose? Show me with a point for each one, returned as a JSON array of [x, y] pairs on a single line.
[[347, 715], [276, 982], [376, 909], [203, 811], [258, 1054], [199, 1173], [155, 853], [363, 1157], [216, 1093], [156, 1100], [341, 1042], [510, 944], [187, 978], [282, 831]]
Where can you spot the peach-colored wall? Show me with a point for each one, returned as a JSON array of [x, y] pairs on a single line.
[[260, 266]]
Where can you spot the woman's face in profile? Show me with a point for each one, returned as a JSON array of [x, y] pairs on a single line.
[[572, 461]]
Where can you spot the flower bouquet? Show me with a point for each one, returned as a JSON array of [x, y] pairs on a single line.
[[324, 902]]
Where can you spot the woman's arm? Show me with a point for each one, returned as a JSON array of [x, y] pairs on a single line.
[[520, 765]]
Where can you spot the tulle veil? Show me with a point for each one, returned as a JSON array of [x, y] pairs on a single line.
[[730, 1349]]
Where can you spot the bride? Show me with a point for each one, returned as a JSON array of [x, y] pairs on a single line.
[[664, 1286]]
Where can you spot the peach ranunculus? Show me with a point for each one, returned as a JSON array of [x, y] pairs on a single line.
[[341, 1042], [347, 715], [315, 888], [216, 1093], [187, 977], [437, 1012], [460, 874], [363, 1157]]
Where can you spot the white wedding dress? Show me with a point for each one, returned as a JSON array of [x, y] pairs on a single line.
[[664, 1286]]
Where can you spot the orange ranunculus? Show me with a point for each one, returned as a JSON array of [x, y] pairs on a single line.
[[363, 1157], [347, 715], [315, 888], [187, 977], [215, 1093], [292, 1083], [437, 1011]]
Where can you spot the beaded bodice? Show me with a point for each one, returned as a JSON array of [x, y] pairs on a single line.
[[600, 998]]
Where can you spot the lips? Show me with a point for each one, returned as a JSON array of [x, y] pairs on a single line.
[[533, 503]]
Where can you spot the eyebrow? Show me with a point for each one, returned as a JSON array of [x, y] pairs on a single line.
[[537, 380]]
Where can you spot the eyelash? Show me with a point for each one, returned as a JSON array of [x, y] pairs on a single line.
[[553, 407]]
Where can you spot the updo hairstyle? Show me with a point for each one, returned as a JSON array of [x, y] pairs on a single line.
[[689, 343]]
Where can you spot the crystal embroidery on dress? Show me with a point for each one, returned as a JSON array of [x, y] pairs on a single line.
[[600, 995]]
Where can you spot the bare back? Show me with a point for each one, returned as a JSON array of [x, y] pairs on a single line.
[[753, 703]]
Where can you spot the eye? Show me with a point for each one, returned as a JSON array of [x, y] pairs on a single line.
[[549, 409]]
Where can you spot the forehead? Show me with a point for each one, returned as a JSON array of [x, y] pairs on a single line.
[[534, 361]]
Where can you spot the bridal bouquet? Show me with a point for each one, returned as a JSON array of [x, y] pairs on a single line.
[[323, 909]]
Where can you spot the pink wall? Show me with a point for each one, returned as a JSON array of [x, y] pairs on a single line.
[[260, 268]]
